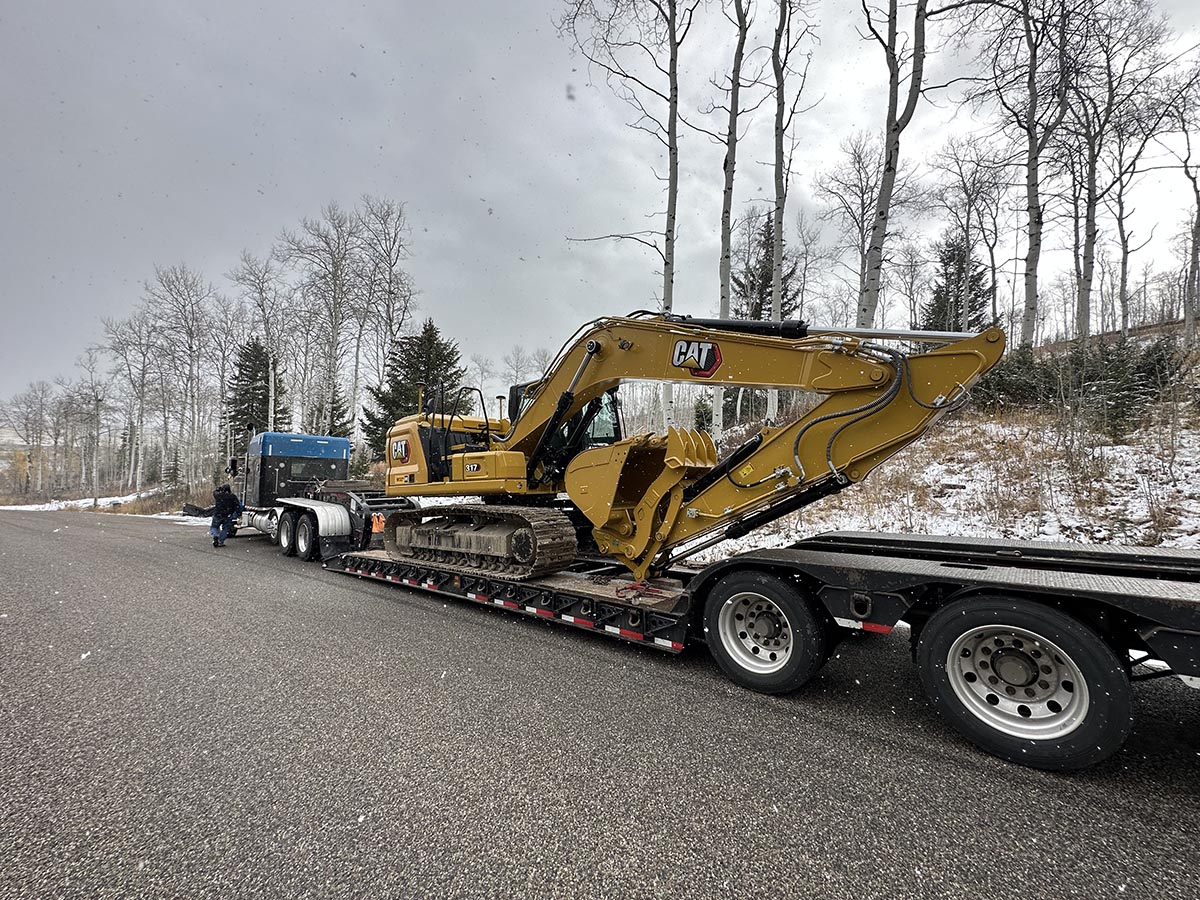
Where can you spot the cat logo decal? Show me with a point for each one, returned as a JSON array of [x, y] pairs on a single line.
[[701, 358]]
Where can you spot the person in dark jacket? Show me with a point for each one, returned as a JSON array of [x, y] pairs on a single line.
[[226, 509]]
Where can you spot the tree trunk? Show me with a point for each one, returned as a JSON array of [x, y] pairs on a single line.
[[668, 393], [896, 123], [96, 457], [1083, 299], [780, 179], [1191, 290], [729, 168]]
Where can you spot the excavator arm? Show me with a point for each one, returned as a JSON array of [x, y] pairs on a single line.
[[648, 495]]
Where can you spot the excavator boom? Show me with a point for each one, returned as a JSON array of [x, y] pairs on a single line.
[[646, 496]]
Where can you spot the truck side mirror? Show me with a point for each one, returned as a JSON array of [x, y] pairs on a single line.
[[233, 466]]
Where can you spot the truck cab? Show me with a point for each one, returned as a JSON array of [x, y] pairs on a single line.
[[280, 465]]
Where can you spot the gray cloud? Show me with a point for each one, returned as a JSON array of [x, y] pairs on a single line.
[[166, 132]]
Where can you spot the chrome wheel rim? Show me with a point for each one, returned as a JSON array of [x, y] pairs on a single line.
[[755, 632], [1018, 682], [302, 538]]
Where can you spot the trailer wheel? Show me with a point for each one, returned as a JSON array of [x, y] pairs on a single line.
[[287, 534], [1026, 682], [307, 547], [763, 633]]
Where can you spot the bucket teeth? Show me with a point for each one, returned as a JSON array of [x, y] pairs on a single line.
[[689, 449]]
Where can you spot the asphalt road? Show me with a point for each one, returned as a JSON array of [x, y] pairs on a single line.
[[179, 721]]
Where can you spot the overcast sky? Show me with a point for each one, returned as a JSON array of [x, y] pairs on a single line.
[[136, 133]]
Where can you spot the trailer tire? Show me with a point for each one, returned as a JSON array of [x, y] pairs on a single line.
[[1026, 682], [286, 534], [763, 632], [308, 545]]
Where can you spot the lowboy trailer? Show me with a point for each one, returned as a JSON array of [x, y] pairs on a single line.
[[1030, 649]]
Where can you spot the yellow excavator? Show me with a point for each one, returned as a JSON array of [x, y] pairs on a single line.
[[560, 477]]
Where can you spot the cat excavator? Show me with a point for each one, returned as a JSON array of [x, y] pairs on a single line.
[[560, 477]]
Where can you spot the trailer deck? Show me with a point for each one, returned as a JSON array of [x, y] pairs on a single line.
[[593, 596]]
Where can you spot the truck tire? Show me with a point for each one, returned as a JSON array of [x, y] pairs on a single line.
[[286, 533], [763, 632], [1026, 682], [308, 546]]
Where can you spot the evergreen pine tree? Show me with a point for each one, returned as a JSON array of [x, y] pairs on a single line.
[[751, 283], [422, 357], [959, 274], [249, 392]]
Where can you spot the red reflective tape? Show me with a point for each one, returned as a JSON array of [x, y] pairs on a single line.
[[545, 612], [878, 629], [632, 635], [507, 604], [431, 586]]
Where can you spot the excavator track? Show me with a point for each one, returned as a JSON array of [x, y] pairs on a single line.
[[513, 543]]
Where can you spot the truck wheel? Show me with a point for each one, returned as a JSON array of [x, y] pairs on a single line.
[[307, 547], [1026, 682], [287, 534], [763, 633]]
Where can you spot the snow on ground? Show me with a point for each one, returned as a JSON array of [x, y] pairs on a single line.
[[86, 503], [1017, 478]]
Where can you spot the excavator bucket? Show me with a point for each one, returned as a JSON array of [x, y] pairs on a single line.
[[610, 484]]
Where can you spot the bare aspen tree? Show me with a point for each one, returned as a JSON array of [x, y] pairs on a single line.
[[910, 271], [627, 39], [811, 256], [384, 239], [1188, 115], [899, 55], [29, 414], [481, 369], [741, 18], [850, 192], [1118, 84], [181, 299], [969, 191], [229, 331], [790, 33], [517, 367], [262, 288], [93, 390], [540, 359], [1025, 49], [323, 249], [133, 343]]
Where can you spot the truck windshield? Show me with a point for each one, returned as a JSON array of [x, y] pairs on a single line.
[[297, 469]]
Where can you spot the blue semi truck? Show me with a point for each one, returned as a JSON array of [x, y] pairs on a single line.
[[296, 489]]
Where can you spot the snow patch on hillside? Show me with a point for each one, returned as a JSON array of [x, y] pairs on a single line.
[[1021, 480]]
